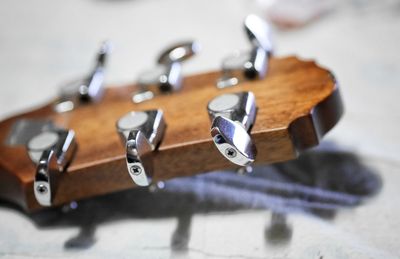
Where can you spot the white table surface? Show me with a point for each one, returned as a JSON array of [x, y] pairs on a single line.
[[45, 43]]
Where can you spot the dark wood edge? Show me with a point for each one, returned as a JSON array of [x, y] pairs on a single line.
[[322, 118]]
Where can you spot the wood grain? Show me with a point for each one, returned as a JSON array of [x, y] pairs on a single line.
[[298, 102]]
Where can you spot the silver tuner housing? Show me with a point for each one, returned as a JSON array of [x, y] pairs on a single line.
[[167, 76], [51, 151], [251, 64], [88, 89], [233, 116], [141, 132]]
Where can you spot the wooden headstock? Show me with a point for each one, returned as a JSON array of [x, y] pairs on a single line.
[[298, 102]]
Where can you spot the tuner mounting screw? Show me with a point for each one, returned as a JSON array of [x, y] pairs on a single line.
[[135, 170], [42, 189], [218, 139], [230, 152]]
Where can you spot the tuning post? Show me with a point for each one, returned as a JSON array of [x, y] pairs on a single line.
[[232, 117], [141, 132], [88, 89], [51, 151], [252, 64], [245, 170], [156, 186], [167, 76]]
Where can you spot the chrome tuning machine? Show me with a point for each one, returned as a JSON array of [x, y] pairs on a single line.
[[51, 151], [167, 76], [232, 117], [141, 133], [88, 89], [253, 64]]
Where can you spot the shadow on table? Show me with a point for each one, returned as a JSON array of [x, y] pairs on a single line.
[[320, 182]]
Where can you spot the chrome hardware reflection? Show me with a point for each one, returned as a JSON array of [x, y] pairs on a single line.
[[258, 32], [88, 89], [167, 76], [232, 117], [252, 64], [141, 132], [179, 52], [51, 151]]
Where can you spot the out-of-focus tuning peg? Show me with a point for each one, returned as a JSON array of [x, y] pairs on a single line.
[[51, 151], [88, 89], [253, 64], [232, 117], [167, 76], [141, 132]]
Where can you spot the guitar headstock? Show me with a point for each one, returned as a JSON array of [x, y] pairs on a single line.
[[296, 102]]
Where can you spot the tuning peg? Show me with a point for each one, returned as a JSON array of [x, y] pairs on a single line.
[[141, 132], [92, 89], [51, 151], [88, 89], [167, 76], [253, 64], [232, 117]]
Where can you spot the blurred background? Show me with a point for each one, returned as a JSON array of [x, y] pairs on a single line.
[[44, 44]]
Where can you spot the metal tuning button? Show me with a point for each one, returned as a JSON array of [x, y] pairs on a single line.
[[51, 151], [232, 117], [93, 87], [167, 76], [88, 89], [253, 64], [141, 132]]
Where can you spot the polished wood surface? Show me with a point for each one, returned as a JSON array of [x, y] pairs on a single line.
[[298, 102]]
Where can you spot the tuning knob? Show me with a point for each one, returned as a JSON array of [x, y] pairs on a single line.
[[88, 89], [51, 151], [93, 87], [167, 76], [141, 132], [254, 63], [232, 117]]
